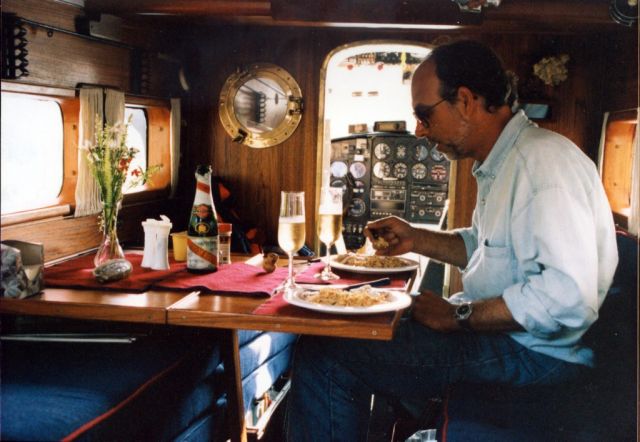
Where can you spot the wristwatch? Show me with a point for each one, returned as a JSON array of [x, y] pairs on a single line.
[[462, 314]]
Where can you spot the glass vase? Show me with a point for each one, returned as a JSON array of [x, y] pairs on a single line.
[[109, 248]]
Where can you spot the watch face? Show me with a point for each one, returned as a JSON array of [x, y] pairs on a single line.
[[463, 311]]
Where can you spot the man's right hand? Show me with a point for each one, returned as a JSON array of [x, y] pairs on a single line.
[[396, 231]]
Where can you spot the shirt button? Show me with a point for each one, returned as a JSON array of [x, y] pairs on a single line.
[[482, 201], [493, 177]]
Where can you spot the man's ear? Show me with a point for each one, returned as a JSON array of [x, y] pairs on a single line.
[[468, 100]]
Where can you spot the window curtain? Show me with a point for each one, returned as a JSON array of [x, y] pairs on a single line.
[[176, 119], [634, 215], [106, 105]]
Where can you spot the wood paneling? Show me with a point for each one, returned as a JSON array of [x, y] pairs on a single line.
[[258, 175], [602, 69], [65, 236]]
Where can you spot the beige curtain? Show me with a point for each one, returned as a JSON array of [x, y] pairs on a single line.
[[94, 103], [87, 193], [176, 119], [113, 106]]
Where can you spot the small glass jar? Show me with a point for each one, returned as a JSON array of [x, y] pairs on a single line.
[[224, 243]]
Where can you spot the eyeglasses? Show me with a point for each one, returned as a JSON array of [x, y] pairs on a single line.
[[423, 113]]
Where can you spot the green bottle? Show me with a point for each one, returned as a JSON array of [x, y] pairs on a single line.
[[202, 234]]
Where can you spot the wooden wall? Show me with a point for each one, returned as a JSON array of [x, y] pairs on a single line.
[[258, 175], [57, 58], [602, 69]]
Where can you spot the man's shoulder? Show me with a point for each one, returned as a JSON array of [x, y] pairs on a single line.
[[536, 140], [548, 159]]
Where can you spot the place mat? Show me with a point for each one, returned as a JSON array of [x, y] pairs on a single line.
[[236, 278], [77, 273], [277, 306], [398, 280]]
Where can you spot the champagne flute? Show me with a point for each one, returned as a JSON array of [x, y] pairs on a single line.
[[329, 225], [291, 230]]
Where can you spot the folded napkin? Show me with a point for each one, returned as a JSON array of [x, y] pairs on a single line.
[[398, 280], [77, 273], [236, 278]]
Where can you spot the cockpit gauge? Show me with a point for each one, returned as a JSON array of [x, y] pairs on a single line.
[[357, 207], [419, 171], [358, 170], [381, 170], [400, 171], [339, 169], [401, 151], [436, 155], [339, 184], [438, 173], [420, 152], [381, 151]]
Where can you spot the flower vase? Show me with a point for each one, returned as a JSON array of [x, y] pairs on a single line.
[[110, 262]]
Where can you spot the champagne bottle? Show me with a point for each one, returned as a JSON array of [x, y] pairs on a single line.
[[202, 241]]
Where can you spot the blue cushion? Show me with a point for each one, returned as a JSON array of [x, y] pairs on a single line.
[[245, 336], [262, 348], [106, 391], [600, 406], [260, 380]]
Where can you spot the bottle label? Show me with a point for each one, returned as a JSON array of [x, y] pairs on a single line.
[[202, 253]]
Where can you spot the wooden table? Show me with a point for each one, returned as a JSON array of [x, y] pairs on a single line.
[[227, 312]]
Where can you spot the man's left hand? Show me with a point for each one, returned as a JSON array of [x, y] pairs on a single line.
[[435, 312]]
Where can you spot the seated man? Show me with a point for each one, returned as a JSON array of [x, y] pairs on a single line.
[[538, 260]]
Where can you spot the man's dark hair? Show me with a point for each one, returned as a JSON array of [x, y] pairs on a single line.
[[476, 66]]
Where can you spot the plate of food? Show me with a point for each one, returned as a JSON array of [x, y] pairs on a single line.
[[357, 263], [361, 301]]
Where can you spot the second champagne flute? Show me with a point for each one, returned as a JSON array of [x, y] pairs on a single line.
[[329, 225], [291, 230]]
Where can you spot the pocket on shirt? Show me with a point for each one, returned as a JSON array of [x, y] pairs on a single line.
[[490, 271]]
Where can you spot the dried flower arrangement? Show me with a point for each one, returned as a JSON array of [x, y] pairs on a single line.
[[109, 159], [552, 70]]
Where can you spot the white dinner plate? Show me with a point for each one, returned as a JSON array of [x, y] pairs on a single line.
[[411, 265], [400, 300]]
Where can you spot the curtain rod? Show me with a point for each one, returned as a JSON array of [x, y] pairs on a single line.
[[52, 29]]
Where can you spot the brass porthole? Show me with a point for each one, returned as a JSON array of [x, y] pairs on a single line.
[[260, 105]]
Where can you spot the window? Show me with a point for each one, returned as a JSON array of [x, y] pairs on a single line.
[[32, 152], [137, 136], [39, 155], [616, 161]]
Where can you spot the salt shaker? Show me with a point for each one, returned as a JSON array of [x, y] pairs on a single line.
[[149, 243], [161, 258], [224, 243]]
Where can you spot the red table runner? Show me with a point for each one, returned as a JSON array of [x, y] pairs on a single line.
[[398, 280], [277, 306], [77, 273], [235, 278]]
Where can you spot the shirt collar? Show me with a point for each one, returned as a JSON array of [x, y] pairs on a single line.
[[491, 165]]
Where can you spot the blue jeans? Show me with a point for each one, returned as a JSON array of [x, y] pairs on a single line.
[[333, 378]]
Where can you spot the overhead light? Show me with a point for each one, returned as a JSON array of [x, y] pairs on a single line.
[[391, 26]]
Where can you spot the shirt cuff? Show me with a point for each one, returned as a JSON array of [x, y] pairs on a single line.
[[528, 312], [470, 240]]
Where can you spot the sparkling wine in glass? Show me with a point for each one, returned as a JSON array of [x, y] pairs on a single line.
[[329, 225], [291, 230]]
